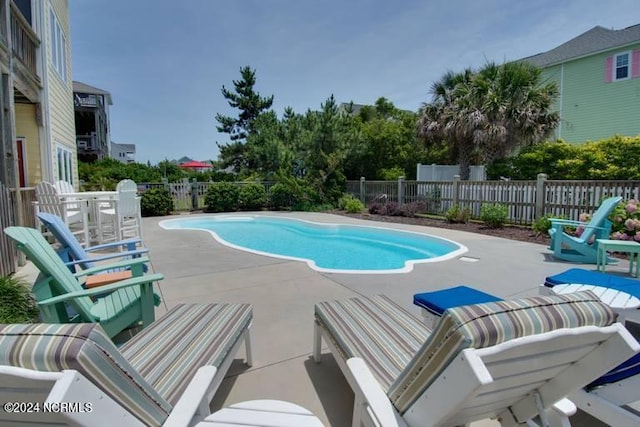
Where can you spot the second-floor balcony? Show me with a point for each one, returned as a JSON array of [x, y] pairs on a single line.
[[24, 40], [19, 47]]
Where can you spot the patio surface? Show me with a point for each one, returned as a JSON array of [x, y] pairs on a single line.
[[283, 293]]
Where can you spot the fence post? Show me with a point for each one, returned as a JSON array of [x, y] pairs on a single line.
[[540, 179], [400, 190], [194, 193], [363, 195], [456, 186], [165, 183]]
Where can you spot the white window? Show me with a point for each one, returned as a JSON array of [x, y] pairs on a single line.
[[621, 66], [65, 164], [58, 46]]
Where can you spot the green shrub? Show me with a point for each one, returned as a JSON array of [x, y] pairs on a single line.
[[156, 202], [391, 174], [252, 196], [221, 197], [281, 196], [350, 204], [541, 225], [494, 215], [17, 305], [456, 214], [354, 206]]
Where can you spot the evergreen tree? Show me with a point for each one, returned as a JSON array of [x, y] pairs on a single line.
[[245, 99]]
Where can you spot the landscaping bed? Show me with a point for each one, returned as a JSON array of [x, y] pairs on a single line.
[[524, 234]]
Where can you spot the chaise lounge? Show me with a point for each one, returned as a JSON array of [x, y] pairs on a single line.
[[606, 398], [168, 373], [508, 360]]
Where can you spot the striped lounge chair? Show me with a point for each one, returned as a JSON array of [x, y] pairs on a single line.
[[506, 360], [151, 378]]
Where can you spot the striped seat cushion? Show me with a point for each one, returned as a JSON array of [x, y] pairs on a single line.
[[87, 349], [169, 352], [375, 329], [488, 324]]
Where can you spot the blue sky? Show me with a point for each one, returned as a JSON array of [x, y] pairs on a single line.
[[164, 62]]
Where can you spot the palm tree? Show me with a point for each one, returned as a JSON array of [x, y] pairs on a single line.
[[440, 121], [489, 113]]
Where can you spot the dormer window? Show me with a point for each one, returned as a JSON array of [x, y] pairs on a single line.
[[622, 64]]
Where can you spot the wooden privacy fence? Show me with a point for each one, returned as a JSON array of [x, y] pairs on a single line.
[[8, 256], [14, 210], [525, 200]]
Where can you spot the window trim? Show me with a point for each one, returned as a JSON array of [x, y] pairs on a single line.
[[64, 163], [58, 44], [614, 68]]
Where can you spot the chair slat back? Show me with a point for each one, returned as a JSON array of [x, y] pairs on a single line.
[[502, 381], [128, 203], [38, 250], [64, 187], [488, 324], [599, 217], [49, 199], [66, 238], [51, 389], [87, 350]]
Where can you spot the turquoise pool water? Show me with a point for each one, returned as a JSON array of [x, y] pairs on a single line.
[[325, 247]]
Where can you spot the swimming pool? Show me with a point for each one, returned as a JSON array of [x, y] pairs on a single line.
[[330, 248]]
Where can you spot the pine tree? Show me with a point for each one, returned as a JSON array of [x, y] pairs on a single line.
[[248, 101]]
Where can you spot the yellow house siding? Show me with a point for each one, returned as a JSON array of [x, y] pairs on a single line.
[[27, 127], [60, 92]]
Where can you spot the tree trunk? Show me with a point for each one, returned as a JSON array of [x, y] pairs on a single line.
[[464, 160]]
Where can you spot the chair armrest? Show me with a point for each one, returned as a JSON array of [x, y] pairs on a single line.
[[116, 265], [564, 408], [193, 405], [108, 256], [562, 223], [369, 394], [567, 222], [134, 281], [126, 243]]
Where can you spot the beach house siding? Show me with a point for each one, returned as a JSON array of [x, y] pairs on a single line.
[[28, 128], [592, 105], [59, 93]]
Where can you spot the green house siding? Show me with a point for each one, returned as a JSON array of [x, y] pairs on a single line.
[[591, 108]]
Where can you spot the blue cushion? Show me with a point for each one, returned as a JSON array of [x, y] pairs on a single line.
[[586, 277], [625, 370], [438, 301]]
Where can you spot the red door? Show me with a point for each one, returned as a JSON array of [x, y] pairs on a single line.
[[21, 172]]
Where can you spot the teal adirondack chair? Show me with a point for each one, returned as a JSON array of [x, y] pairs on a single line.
[[580, 249], [129, 301]]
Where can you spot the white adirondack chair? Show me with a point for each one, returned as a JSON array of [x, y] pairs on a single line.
[[73, 213], [123, 220]]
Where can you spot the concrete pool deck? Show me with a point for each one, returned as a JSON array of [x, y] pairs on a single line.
[[283, 293]]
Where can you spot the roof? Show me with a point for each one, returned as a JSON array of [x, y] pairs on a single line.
[[129, 147], [193, 164], [595, 40], [80, 87]]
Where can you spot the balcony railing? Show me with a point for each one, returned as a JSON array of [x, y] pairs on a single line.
[[87, 142], [24, 40]]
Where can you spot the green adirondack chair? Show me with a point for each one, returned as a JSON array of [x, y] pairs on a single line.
[[62, 299]]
